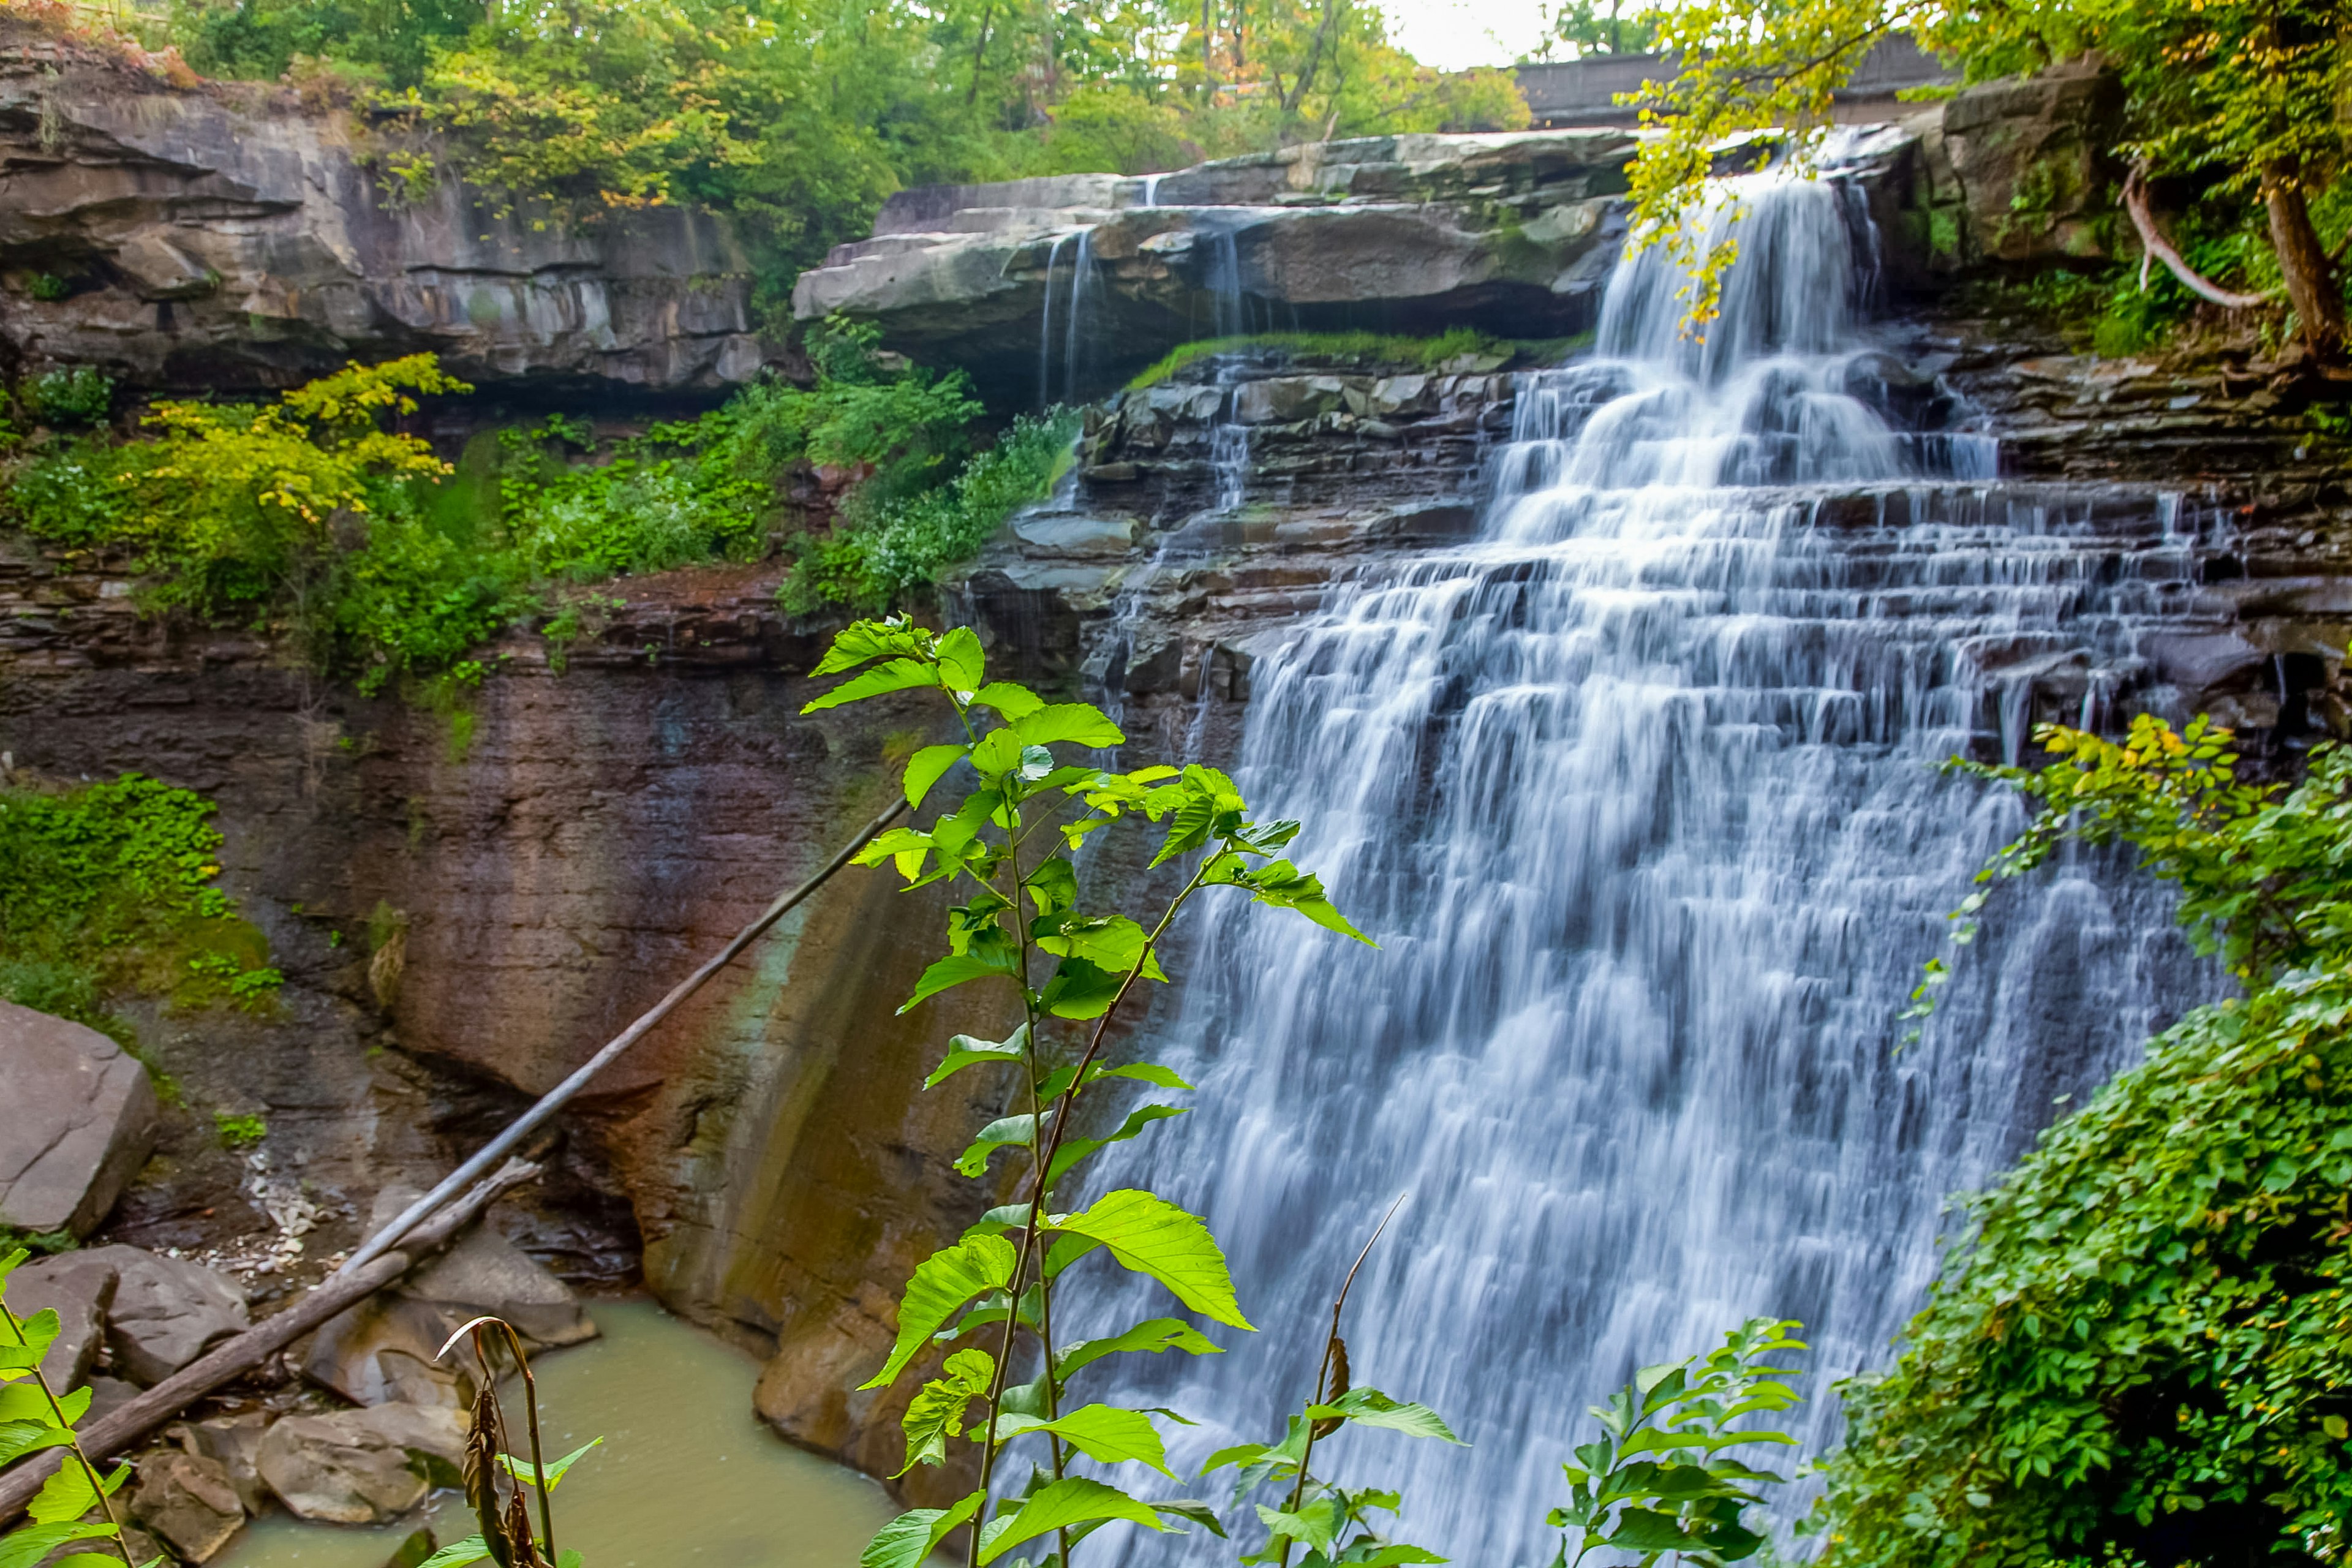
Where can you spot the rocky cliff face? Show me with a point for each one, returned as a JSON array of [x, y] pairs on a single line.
[[1060, 288], [190, 239]]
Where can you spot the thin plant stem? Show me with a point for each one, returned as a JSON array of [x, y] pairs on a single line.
[[1324, 1395], [58, 1412], [530, 1415]]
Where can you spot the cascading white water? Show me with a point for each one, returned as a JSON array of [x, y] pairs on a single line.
[[1638, 792]]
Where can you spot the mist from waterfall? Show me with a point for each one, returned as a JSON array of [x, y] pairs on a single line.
[[1639, 792]]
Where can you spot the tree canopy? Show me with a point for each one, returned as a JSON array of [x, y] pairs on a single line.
[[801, 115], [2237, 104]]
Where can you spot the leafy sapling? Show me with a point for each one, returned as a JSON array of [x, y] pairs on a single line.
[[1026, 929], [1332, 1523], [35, 1416], [498, 1485], [1657, 1479]]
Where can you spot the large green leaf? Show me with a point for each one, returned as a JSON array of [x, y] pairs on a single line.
[[26, 1402], [1074, 1150], [10, 1257], [1074, 1499], [1076, 722], [1370, 1407], [68, 1493], [21, 1351], [1145, 1072], [1286, 887], [898, 674], [927, 767], [23, 1548], [1013, 702], [473, 1549], [1152, 1235], [1314, 1523], [522, 1470], [18, 1438], [1103, 1432], [943, 1283], [861, 641], [997, 1134], [1193, 1509], [936, 1412], [959, 969], [962, 665], [1394, 1556], [968, 1051], [1154, 1335], [1641, 1530], [908, 1539], [1080, 990]]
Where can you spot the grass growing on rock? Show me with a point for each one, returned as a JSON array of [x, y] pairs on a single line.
[[106, 888], [1365, 348]]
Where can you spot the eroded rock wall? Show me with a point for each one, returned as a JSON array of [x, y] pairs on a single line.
[[223, 235]]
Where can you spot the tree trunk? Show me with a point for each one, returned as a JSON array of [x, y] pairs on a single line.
[[2311, 286]]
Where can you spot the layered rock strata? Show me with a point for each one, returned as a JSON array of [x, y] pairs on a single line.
[[215, 236]]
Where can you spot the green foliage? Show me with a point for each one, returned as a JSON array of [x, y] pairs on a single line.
[[1009, 847], [110, 885], [1657, 1478], [798, 119], [391, 40], [306, 516], [1365, 348], [81, 395], [36, 1418], [1588, 27], [2145, 1348], [238, 1132], [887, 550], [48, 288]]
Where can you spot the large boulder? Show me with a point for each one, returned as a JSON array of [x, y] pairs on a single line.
[[79, 1287], [190, 1501], [166, 1311], [234, 1443], [81, 1121], [363, 1467], [381, 1350]]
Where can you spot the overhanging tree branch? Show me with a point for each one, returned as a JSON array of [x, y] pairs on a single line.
[[2154, 243]]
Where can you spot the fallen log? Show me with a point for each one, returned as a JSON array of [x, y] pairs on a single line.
[[553, 1100], [111, 1433]]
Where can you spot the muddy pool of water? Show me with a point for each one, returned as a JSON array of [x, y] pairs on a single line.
[[687, 1475]]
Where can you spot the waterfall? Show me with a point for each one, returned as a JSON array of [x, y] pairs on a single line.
[[1045, 329], [1638, 792], [1074, 333]]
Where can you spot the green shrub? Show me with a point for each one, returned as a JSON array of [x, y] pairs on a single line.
[[238, 1132], [884, 552], [48, 288], [1366, 348], [81, 396]]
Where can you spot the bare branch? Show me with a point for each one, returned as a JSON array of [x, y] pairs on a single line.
[[2153, 241]]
